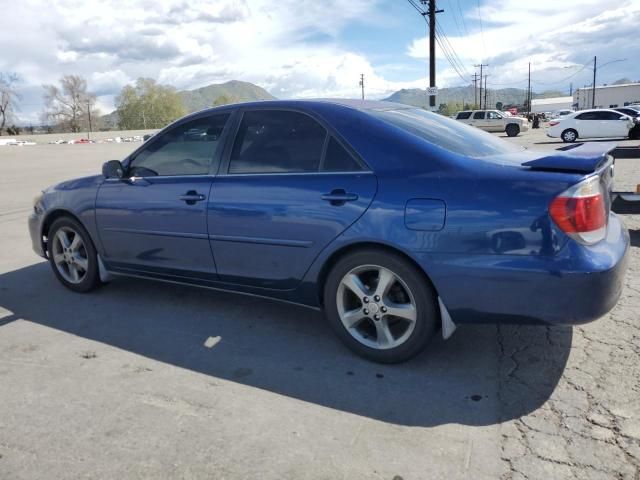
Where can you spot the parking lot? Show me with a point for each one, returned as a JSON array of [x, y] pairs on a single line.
[[150, 380]]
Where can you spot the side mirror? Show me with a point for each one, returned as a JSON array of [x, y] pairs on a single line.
[[113, 169]]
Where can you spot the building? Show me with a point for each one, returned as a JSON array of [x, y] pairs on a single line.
[[607, 96], [539, 105]]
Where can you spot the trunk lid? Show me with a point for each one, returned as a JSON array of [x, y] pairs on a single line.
[[577, 158]]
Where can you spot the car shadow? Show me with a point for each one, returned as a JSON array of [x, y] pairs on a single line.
[[482, 375]]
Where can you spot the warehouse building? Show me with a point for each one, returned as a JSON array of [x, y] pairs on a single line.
[[607, 96]]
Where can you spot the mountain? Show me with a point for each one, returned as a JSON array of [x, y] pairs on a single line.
[[228, 92], [508, 96]]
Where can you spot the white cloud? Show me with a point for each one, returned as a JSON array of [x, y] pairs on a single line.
[[292, 47]]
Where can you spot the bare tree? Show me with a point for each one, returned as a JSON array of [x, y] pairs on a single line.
[[68, 104], [8, 97]]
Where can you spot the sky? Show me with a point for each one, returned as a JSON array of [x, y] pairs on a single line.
[[311, 48]]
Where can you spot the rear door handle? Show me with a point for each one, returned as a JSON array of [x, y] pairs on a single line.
[[339, 197], [191, 197]]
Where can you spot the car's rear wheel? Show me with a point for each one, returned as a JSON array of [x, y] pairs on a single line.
[[512, 130], [569, 135], [72, 255], [380, 305]]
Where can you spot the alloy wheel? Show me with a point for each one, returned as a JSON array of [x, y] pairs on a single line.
[[70, 255], [376, 307]]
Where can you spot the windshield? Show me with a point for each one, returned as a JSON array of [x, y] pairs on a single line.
[[447, 133]]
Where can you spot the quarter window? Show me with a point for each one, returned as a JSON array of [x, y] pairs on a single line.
[[463, 115], [337, 159], [272, 141], [187, 149]]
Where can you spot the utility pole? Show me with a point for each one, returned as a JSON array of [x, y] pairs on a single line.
[[485, 91], [571, 89], [475, 90], [529, 92], [481, 65], [89, 113], [593, 98], [431, 12], [362, 84]]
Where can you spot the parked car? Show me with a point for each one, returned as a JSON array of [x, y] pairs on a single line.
[[396, 221], [598, 123], [560, 114], [493, 121]]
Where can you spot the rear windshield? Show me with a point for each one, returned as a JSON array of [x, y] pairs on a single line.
[[447, 133]]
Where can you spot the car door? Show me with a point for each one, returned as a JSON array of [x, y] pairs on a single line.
[[618, 124], [154, 220], [588, 125], [494, 122], [478, 120], [288, 187]]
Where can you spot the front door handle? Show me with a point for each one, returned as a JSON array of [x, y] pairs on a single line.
[[191, 197], [339, 197]]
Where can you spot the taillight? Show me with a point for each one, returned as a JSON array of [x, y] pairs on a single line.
[[581, 211], [553, 123]]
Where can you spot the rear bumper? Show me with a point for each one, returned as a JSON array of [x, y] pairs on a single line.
[[578, 285], [35, 229]]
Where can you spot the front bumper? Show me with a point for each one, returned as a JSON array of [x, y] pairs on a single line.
[[35, 231], [578, 285]]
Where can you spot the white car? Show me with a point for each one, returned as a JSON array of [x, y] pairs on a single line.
[[493, 121], [599, 123], [561, 114]]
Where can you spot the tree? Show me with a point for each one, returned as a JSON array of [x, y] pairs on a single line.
[[148, 105], [499, 105], [8, 97], [68, 104]]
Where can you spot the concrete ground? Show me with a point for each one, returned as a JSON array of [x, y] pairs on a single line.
[[147, 380]]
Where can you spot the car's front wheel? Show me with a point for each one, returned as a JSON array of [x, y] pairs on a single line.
[[72, 255], [569, 135], [380, 305]]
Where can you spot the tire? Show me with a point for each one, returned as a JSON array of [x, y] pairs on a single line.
[[569, 135], [410, 288], [634, 133], [76, 254], [512, 130]]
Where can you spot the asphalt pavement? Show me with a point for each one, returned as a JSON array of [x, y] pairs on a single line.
[[149, 380]]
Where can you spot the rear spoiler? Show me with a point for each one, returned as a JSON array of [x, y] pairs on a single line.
[[578, 158]]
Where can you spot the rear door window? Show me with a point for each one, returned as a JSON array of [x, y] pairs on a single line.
[[478, 116], [277, 141]]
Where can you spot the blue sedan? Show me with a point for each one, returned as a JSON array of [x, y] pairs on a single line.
[[397, 222]]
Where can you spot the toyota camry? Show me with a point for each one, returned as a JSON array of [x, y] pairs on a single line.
[[397, 222]]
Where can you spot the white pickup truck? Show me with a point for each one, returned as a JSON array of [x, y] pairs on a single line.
[[493, 121]]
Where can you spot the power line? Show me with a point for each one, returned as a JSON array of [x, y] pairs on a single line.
[[484, 47], [464, 24], [452, 51]]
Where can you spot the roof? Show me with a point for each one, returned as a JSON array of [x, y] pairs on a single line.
[[637, 84], [363, 105]]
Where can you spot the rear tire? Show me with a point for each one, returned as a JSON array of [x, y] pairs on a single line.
[[393, 316], [512, 130], [569, 135], [72, 255]]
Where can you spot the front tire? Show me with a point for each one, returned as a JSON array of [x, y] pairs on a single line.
[[72, 255], [569, 135], [380, 305], [512, 130]]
